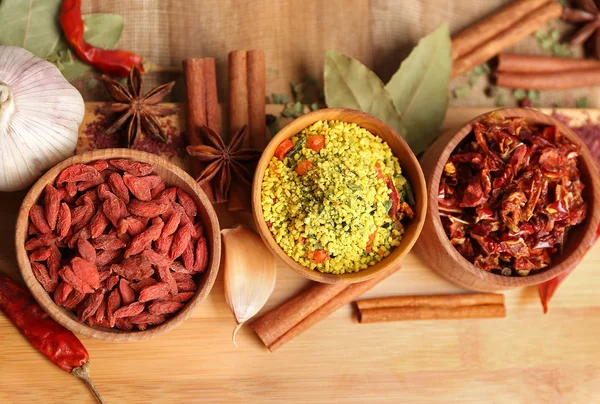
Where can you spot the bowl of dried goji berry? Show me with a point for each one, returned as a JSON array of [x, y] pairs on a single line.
[[118, 244], [514, 200]]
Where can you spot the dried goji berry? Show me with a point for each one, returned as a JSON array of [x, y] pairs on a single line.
[[130, 310], [38, 218], [123, 324], [54, 262], [164, 274], [86, 271], [177, 267], [71, 188], [143, 240], [103, 274], [112, 208], [85, 185], [63, 223], [108, 242], [104, 193], [118, 187], [180, 242], [32, 230], [147, 209], [110, 282], [89, 212], [126, 291], [92, 194], [83, 233], [74, 298], [41, 254], [86, 250], [143, 320], [99, 165], [171, 225], [201, 259], [156, 259], [186, 201], [98, 223], [169, 194], [143, 283], [164, 307], [91, 304], [76, 283], [41, 241], [188, 256], [106, 257], [153, 292], [112, 305], [51, 205], [182, 297], [163, 244], [132, 167], [138, 187], [76, 173], [187, 285], [101, 312], [41, 274], [62, 293]]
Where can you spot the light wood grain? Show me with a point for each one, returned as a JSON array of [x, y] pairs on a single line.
[[524, 358], [410, 168], [433, 245], [173, 176]]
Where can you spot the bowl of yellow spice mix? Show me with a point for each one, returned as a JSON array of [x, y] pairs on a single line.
[[339, 196]]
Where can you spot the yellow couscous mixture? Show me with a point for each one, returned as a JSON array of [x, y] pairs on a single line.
[[333, 197]]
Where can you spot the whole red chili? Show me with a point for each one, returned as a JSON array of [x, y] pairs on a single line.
[[115, 62], [57, 343]]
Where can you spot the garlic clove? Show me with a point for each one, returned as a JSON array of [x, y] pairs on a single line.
[[40, 114], [249, 272]]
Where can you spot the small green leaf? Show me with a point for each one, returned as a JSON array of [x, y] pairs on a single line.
[[546, 43], [293, 110], [283, 98], [387, 205], [519, 94], [501, 100], [461, 92], [540, 34], [582, 102], [533, 95], [478, 70], [555, 34], [314, 106], [486, 68], [420, 88], [473, 80], [350, 84]]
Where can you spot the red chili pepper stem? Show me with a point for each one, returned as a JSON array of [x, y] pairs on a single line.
[[83, 372]]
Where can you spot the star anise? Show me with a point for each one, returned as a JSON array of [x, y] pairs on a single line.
[[588, 13], [141, 112], [223, 161]]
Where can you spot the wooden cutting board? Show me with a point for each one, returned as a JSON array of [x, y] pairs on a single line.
[[526, 357]]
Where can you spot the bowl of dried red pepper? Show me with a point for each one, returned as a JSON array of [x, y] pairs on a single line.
[[118, 244], [513, 201]]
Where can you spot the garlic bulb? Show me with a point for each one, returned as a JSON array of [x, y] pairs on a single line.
[[40, 114], [249, 271]]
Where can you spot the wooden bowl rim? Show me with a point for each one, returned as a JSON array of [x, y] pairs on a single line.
[[593, 220], [60, 314], [386, 264]]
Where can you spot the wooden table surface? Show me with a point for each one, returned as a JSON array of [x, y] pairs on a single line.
[[524, 358]]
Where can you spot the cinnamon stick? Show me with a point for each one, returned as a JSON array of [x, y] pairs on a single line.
[[430, 313], [549, 81], [471, 299], [289, 320], [474, 36], [503, 39], [515, 63], [195, 85], [257, 99], [238, 92], [247, 103]]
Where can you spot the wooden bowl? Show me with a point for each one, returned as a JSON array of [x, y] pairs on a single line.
[[410, 169], [435, 249], [172, 175]]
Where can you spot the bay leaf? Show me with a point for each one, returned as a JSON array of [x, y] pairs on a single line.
[[350, 84], [32, 25], [420, 88], [101, 30]]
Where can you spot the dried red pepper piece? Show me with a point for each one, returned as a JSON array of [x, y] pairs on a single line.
[[57, 343], [114, 62], [509, 194]]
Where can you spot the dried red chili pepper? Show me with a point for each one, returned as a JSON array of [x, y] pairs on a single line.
[[57, 343], [115, 62], [509, 193]]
